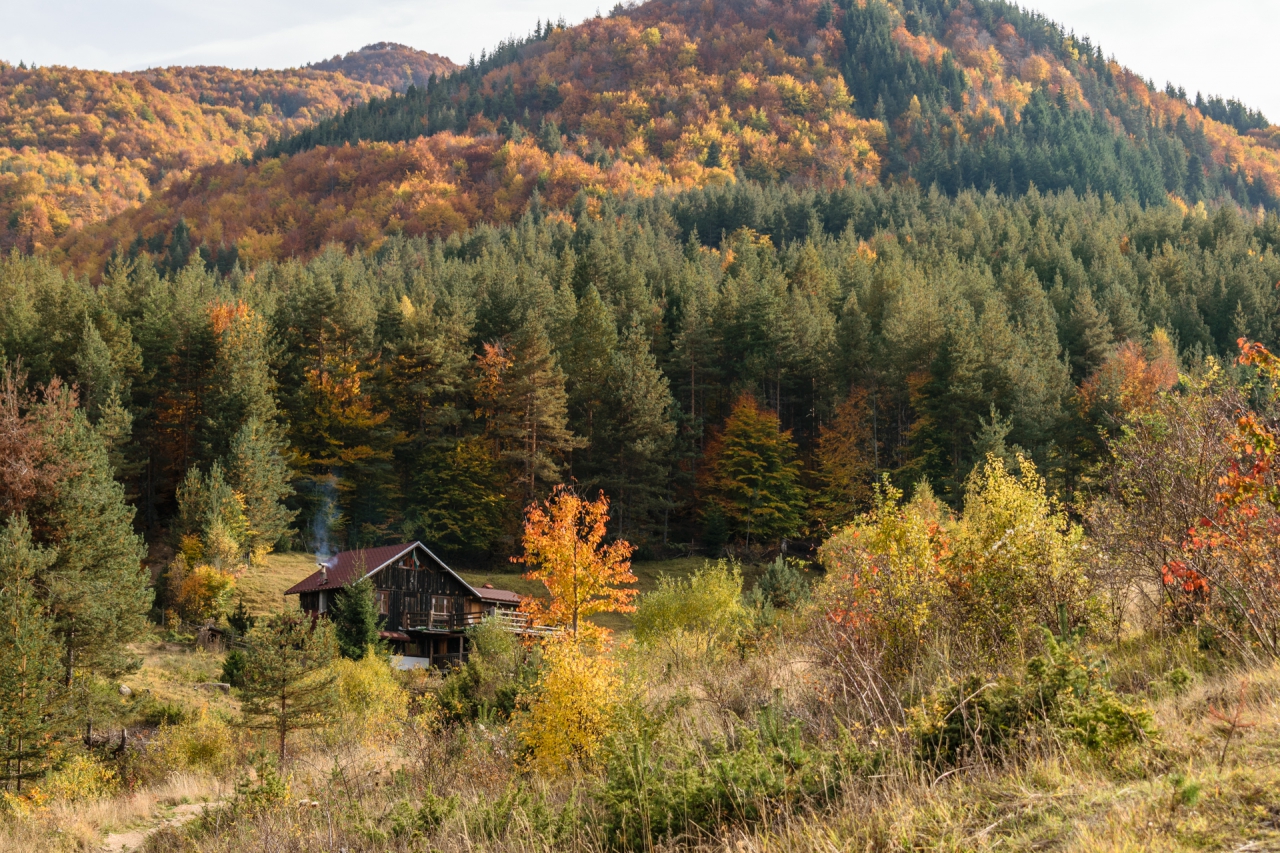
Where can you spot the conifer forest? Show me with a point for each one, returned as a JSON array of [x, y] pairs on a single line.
[[824, 426]]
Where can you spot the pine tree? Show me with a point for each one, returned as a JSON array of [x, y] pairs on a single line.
[[587, 362], [638, 435], [98, 591], [753, 474], [354, 613], [256, 470], [288, 686], [521, 394], [213, 513], [31, 698], [1088, 336]]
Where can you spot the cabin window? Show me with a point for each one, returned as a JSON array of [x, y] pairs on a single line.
[[384, 603]]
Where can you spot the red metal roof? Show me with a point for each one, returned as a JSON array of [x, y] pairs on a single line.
[[394, 635], [345, 568]]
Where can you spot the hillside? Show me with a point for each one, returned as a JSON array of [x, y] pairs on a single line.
[[79, 146], [675, 94], [394, 66]]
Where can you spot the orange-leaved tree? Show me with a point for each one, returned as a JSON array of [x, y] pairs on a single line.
[[565, 549]]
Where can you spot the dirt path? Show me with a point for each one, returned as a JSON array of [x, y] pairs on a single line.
[[126, 842]]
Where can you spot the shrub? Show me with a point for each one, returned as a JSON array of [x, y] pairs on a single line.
[[498, 669], [203, 593], [698, 615], [1016, 562], [570, 711], [1064, 690], [654, 792], [79, 777], [884, 595], [205, 742], [371, 702], [783, 584], [233, 668]]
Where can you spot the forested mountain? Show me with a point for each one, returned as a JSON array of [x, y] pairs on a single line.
[[429, 389], [395, 66], [672, 95], [79, 146]]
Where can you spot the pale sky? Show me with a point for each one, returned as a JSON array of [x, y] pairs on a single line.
[[1225, 47]]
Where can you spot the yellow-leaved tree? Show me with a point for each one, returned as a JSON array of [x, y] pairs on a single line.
[[571, 710], [565, 549]]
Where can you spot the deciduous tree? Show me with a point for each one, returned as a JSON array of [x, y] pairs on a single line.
[[565, 548]]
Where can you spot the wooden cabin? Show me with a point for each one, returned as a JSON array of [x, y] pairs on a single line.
[[426, 606]]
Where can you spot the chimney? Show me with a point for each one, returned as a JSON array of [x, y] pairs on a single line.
[[324, 574]]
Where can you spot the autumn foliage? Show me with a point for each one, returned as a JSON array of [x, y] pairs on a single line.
[[78, 147], [565, 548]]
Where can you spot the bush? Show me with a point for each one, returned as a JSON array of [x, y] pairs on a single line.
[[570, 712], [79, 777], [1016, 562], [524, 808], [233, 668], [1064, 690], [699, 615], [653, 793], [784, 584], [371, 702], [205, 742], [497, 671]]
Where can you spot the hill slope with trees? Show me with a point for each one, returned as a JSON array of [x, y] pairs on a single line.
[[672, 95], [394, 66], [77, 147]]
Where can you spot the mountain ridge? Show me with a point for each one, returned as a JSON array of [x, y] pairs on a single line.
[[675, 94]]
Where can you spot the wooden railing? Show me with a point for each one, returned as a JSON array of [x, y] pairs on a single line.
[[510, 620]]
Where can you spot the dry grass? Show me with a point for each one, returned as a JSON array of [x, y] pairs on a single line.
[[1055, 799], [262, 587], [173, 673], [84, 824]]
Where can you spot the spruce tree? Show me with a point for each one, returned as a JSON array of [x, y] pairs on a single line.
[[521, 392], [98, 590], [288, 686], [354, 613], [32, 710], [256, 470], [754, 475], [638, 436]]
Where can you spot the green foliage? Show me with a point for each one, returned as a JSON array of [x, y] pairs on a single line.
[[524, 809], [233, 667], [699, 616], [654, 791], [498, 669], [288, 685], [32, 697], [356, 623], [783, 583], [408, 822], [1063, 691], [213, 512]]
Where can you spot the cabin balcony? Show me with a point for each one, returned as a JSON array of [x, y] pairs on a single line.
[[510, 620]]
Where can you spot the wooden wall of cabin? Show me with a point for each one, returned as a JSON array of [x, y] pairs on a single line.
[[409, 589]]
